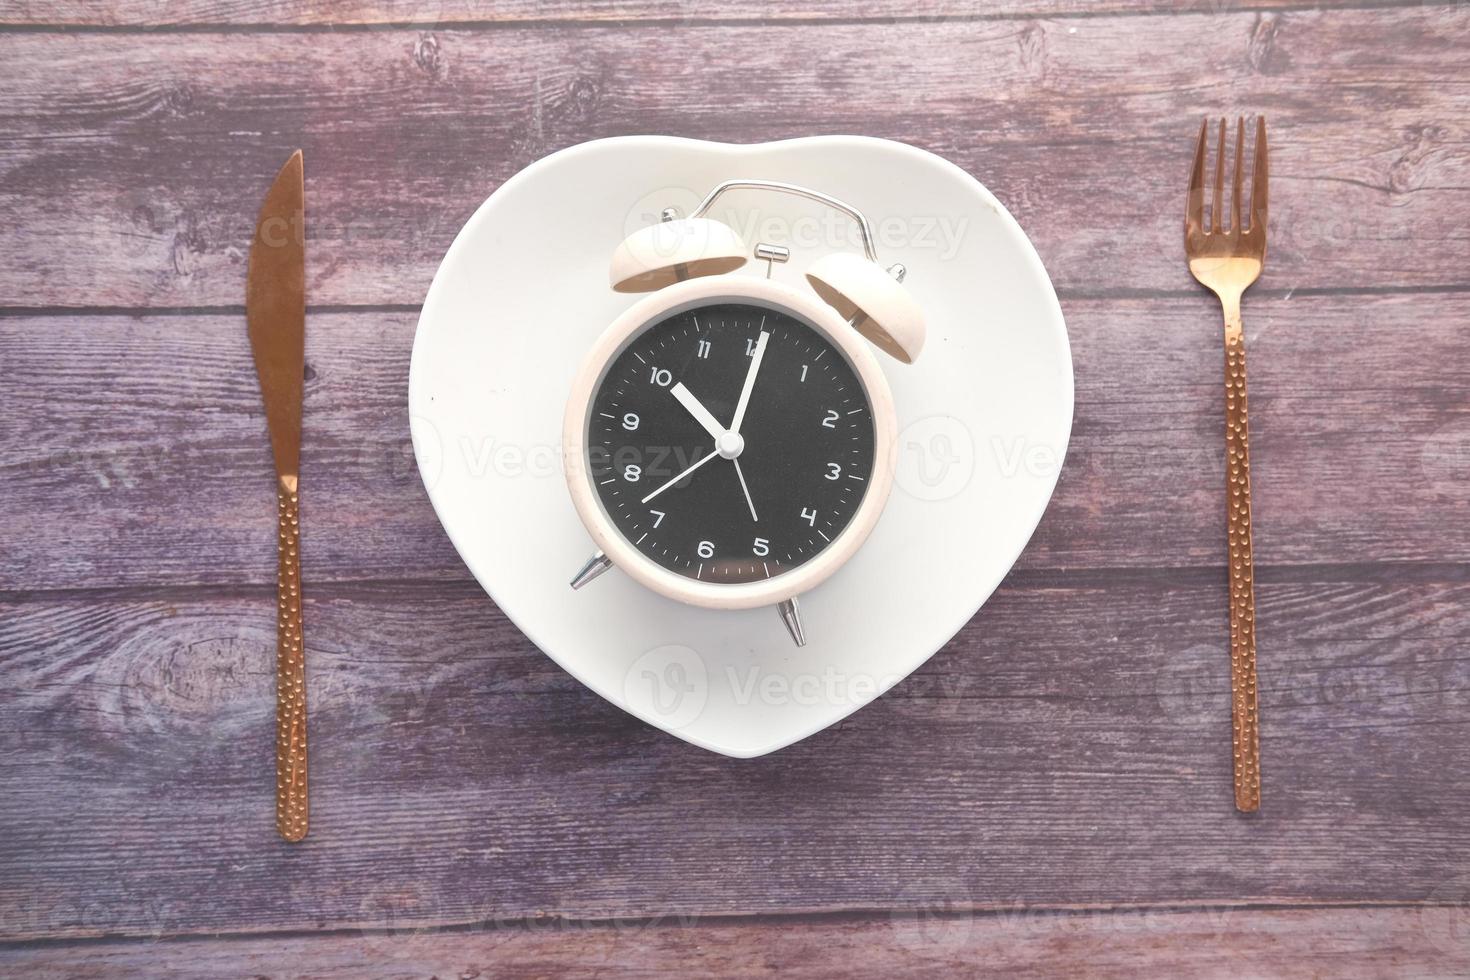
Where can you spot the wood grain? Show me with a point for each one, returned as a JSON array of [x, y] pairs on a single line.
[[131, 182], [139, 454], [1021, 943], [456, 767], [1052, 789], [449, 13]]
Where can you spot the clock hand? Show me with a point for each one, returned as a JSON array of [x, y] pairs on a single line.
[[748, 501], [755, 365], [681, 476], [722, 436], [701, 414]]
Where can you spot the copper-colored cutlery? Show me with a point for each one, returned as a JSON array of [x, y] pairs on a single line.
[[275, 312], [1227, 258]]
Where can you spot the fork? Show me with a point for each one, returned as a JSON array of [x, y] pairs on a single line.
[[1226, 260]]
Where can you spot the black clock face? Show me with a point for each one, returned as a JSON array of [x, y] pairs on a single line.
[[713, 497]]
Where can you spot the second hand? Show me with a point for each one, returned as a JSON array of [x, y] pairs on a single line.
[[748, 502]]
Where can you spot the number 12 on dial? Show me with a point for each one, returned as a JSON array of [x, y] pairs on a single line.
[[732, 436]]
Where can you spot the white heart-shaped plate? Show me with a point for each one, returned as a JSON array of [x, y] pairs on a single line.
[[984, 416]]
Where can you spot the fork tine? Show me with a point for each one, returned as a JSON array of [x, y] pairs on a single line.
[[1259, 181], [1239, 176], [1194, 206], [1216, 217]]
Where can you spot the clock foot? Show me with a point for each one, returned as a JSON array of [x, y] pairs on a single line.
[[791, 616], [595, 566]]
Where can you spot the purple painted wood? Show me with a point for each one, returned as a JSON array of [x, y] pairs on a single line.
[[462, 13], [141, 458], [919, 943], [1066, 752], [1070, 747], [131, 181]]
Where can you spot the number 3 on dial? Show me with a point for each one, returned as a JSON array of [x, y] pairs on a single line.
[[807, 445]]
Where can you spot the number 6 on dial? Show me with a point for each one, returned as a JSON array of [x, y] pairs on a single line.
[[713, 373]]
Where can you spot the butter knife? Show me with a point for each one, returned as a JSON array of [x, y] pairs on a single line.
[[275, 314]]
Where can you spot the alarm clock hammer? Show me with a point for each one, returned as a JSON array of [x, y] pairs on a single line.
[[813, 424]]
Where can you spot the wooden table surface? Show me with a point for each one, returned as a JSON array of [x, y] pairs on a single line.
[[1051, 792]]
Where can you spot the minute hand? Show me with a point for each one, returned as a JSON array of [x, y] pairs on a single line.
[[755, 366]]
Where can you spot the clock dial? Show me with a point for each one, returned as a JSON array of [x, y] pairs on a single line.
[[707, 502]]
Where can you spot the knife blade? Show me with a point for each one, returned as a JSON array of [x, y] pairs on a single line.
[[275, 315]]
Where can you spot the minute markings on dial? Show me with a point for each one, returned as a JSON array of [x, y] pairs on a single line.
[[642, 437]]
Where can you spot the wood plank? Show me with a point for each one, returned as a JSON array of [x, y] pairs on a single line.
[[148, 179], [1106, 943], [1070, 747], [140, 458], [440, 14]]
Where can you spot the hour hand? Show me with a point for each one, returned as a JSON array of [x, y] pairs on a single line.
[[701, 414]]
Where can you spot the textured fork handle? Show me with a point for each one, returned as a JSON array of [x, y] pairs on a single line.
[[291, 807], [1243, 711]]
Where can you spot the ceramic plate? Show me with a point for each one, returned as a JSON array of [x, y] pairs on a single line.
[[984, 417]]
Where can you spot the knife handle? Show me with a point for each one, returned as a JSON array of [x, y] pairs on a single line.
[[1243, 708], [291, 805]]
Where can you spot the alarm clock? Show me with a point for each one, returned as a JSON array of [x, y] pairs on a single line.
[[730, 439]]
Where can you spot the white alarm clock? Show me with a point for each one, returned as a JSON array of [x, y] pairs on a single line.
[[730, 439]]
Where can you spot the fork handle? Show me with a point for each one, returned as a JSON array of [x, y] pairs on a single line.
[[1243, 710], [291, 806]]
